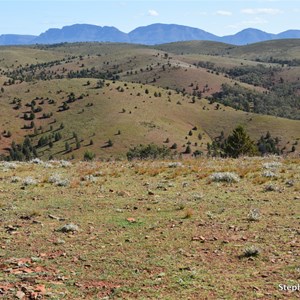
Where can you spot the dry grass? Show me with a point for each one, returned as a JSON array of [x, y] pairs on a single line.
[[171, 244], [188, 213]]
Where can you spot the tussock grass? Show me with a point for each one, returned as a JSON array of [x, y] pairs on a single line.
[[251, 251], [225, 177]]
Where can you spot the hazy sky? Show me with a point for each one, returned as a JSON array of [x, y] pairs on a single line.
[[220, 17]]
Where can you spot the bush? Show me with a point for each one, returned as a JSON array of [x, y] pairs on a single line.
[[251, 251], [225, 177], [150, 151], [88, 156], [272, 165], [197, 153], [175, 164], [269, 174], [254, 215], [58, 181], [29, 181], [238, 143]]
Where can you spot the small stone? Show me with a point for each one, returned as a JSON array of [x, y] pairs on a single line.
[[131, 220], [123, 194], [20, 295], [59, 242], [36, 259], [290, 183], [199, 238], [53, 217]]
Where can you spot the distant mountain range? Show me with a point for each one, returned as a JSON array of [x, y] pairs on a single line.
[[147, 35]]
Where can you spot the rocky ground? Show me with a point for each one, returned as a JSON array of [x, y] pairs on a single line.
[[190, 229]]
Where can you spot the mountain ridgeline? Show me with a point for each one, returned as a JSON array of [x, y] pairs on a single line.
[[148, 35]]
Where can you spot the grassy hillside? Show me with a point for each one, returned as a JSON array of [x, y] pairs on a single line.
[[196, 47], [279, 49], [288, 49], [149, 95], [12, 57], [142, 114]]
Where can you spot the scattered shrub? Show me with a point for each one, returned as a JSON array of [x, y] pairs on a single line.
[[29, 181], [251, 251], [188, 213], [269, 174], [58, 181], [225, 177], [271, 188], [254, 215], [15, 179], [69, 228], [272, 165], [175, 164], [88, 156], [150, 151]]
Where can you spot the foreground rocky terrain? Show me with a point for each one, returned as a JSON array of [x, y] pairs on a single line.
[[189, 229]]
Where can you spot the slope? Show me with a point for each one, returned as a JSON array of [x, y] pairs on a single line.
[[125, 113]]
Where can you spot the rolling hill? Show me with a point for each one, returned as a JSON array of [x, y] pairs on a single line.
[[84, 95]]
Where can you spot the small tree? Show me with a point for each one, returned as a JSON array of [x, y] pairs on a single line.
[[239, 143], [67, 147], [174, 146], [188, 150], [197, 153], [88, 156], [109, 143], [100, 84]]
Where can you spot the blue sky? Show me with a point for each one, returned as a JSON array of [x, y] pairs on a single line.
[[220, 17]]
